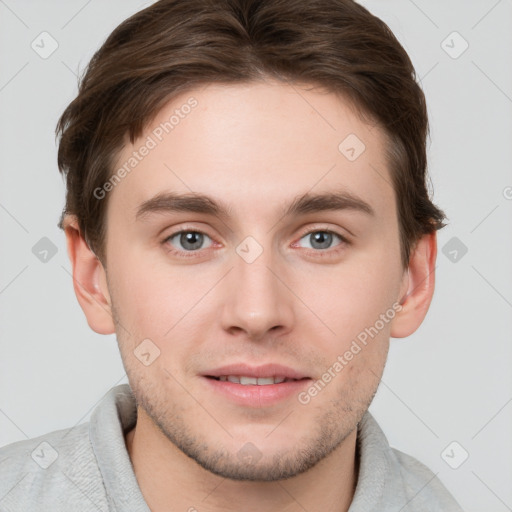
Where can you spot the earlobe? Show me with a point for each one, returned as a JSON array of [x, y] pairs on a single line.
[[419, 281], [89, 280]]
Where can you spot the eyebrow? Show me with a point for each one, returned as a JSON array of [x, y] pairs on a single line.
[[200, 203]]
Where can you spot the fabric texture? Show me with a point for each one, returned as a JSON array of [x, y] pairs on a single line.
[[87, 468]]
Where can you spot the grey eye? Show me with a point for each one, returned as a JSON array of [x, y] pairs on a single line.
[[189, 240], [320, 239]]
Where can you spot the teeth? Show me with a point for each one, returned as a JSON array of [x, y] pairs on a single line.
[[263, 381], [248, 381]]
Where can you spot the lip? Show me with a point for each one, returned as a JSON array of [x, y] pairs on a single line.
[[266, 370], [253, 395]]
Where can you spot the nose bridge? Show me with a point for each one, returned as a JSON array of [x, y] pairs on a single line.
[[256, 300]]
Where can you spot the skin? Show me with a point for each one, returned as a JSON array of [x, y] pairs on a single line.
[[255, 147]]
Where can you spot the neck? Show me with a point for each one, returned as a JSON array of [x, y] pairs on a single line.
[[169, 480]]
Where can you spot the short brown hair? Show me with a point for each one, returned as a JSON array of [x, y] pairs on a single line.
[[175, 45]]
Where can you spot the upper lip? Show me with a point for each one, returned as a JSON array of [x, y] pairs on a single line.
[[266, 370]]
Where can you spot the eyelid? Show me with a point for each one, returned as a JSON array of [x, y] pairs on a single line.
[[187, 228]]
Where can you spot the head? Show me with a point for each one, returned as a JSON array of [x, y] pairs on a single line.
[[246, 184]]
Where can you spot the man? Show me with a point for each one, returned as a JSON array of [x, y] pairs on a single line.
[[246, 209]]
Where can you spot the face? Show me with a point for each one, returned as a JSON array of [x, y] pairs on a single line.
[[281, 259]]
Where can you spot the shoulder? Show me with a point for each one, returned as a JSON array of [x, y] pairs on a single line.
[[392, 480], [55, 471], [421, 487]]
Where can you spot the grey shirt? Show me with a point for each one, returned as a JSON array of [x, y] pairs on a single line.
[[87, 468]]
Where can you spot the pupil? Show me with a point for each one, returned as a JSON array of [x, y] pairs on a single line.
[[322, 238], [191, 240]]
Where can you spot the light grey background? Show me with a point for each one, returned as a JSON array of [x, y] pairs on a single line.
[[450, 381]]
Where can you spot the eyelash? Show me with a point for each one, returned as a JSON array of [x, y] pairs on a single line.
[[318, 252]]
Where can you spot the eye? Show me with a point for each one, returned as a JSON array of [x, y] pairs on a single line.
[[190, 241], [321, 239]]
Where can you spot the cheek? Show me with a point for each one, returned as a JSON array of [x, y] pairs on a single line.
[[155, 299], [351, 297], [137, 294]]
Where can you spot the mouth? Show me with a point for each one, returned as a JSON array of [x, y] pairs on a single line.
[[256, 386], [253, 381]]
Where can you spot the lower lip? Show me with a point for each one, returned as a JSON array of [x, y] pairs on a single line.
[[257, 396]]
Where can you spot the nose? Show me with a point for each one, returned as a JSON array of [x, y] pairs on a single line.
[[257, 304]]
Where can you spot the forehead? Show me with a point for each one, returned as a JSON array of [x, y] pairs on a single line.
[[256, 145]]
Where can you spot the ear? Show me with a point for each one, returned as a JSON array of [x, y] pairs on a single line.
[[89, 280], [417, 287]]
